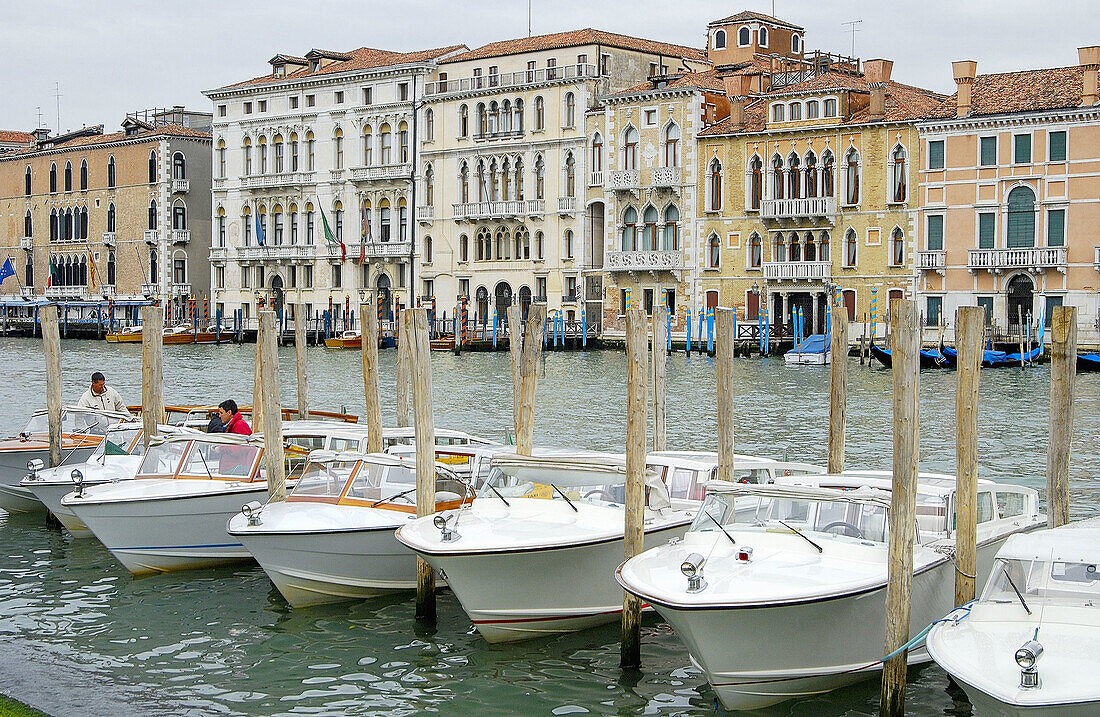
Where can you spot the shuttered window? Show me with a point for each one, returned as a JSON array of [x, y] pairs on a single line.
[[1056, 227], [1057, 147], [1021, 217], [987, 232], [935, 154], [989, 151], [1022, 146], [935, 232]]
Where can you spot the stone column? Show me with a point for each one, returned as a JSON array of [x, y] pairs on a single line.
[[813, 319], [786, 309]]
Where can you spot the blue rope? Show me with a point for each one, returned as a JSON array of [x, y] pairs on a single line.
[[955, 615]]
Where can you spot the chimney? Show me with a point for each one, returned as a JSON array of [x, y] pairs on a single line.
[[41, 134], [738, 89], [877, 73], [964, 71], [1090, 63]]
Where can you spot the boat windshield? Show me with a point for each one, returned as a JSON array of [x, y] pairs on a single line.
[[325, 479], [72, 422], [599, 486], [219, 460], [1070, 583], [162, 459], [833, 517], [120, 438]]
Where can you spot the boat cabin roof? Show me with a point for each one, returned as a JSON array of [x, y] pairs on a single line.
[[1073, 543], [373, 480], [701, 460], [792, 491]]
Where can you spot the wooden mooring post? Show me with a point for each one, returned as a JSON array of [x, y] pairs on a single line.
[[414, 329], [905, 348], [969, 331], [515, 351], [368, 325], [258, 384], [402, 395], [1063, 375], [630, 654], [300, 359], [267, 348], [532, 350], [51, 348], [727, 322], [838, 386], [660, 362], [152, 370]]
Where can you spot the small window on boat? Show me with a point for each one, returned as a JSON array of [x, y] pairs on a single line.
[[324, 480], [163, 459], [344, 444], [309, 443], [679, 486], [367, 481], [214, 460], [985, 507], [752, 475], [1010, 504], [1074, 572]]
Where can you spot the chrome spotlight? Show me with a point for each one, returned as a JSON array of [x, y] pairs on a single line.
[[692, 568], [78, 480], [251, 511], [447, 533], [35, 465], [1026, 657]]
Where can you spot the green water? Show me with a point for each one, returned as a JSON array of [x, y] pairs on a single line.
[[80, 636]]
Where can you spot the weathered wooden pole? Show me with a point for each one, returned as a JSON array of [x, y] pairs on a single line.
[[368, 325], [727, 322], [300, 358], [515, 350], [267, 347], [660, 361], [414, 325], [838, 386], [969, 332], [152, 370], [532, 349], [258, 384], [402, 397], [905, 348], [630, 654], [51, 347], [1063, 374]]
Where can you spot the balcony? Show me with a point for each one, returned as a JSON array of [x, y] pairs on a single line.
[[798, 270], [1096, 259], [180, 186], [425, 214], [500, 209], [667, 177], [108, 292], [218, 253], [336, 175], [567, 205], [595, 179], [624, 180], [1033, 258], [536, 207], [377, 250], [804, 208], [27, 292], [382, 171], [182, 291], [219, 183], [644, 260], [64, 292], [179, 236], [149, 289], [274, 252], [932, 260], [479, 83], [110, 239], [281, 179], [26, 243], [152, 236], [498, 134]]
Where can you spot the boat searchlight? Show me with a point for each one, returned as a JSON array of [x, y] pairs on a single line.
[[692, 568], [447, 533], [1026, 657], [34, 466], [252, 512], [78, 480]]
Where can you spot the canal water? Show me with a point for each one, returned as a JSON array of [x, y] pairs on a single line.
[[80, 636]]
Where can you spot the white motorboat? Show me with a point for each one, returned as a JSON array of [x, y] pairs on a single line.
[[333, 537], [1031, 644], [82, 430], [811, 351], [533, 555], [779, 591], [116, 458]]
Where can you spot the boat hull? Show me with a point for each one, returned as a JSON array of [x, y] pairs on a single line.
[[176, 533], [50, 495], [14, 498], [806, 359], [564, 589], [123, 338]]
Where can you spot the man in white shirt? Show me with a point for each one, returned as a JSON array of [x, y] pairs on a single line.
[[102, 397]]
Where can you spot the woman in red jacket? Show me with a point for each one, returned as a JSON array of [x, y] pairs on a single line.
[[232, 419]]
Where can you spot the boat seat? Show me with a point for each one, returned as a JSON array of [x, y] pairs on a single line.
[[446, 496]]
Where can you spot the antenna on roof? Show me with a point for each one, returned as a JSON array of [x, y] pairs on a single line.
[[57, 96], [39, 108], [853, 29], [528, 18]]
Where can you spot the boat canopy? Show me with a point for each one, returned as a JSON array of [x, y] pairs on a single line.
[[217, 456], [1076, 542], [862, 494], [369, 479], [74, 419]]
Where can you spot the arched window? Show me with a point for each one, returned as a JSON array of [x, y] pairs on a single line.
[[153, 214], [386, 145], [540, 178], [899, 171], [261, 149], [811, 174], [153, 273], [247, 155], [338, 219], [714, 252], [83, 175], [27, 181], [429, 186], [720, 40], [494, 181], [630, 229], [277, 224], [567, 245], [744, 37], [540, 114], [714, 184], [630, 148], [277, 147], [523, 238], [463, 121], [794, 111], [777, 177], [491, 113], [293, 151], [756, 182], [68, 176], [597, 154], [221, 160], [220, 238], [464, 184], [755, 254], [813, 109], [672, 145], [311, 223], [570, 175], [427, 250], [897, 247], [484, 248], [54, 229], [794, 252], [1021, 218], [368, 145], [504, 249], [539, 245], [28, 225], [796, 44], [311, 152], [672, 228], [111, 268], [851, 177], [777, 113], [179, 166], [851, 248], [152, 166], [810, 252], [292, 222], [518, 112], [519, 178], [337, 148], [402, 221], [53, 178], [570, 109], [506, 116], [84, 223], [780, 248], [384, 220], [649, 234], [794, 177], [763, 34], [827, 172], [429, 125], [463, 248], [403, 143]]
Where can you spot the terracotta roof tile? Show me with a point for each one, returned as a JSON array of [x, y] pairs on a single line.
[[574, 38], [707, 80], [1024, 91], [167, 130], [11, 135], [749, 16]]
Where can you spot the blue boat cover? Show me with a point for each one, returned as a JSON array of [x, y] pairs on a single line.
[[812, 344]]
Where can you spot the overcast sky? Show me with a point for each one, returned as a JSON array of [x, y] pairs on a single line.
[[111, 57]]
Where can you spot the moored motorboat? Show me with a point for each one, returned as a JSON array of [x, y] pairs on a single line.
[[929, 358], [778, 590], [126, 335], [533, 554], [812, 351], [82, 430], [333, 537], [1030, 645], [1088, 362], [346, 340], [178, 335]]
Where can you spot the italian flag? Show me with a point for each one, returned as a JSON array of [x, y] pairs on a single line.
[[332, 237]]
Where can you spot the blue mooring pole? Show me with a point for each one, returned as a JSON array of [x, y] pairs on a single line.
[[584, 330], [687, 334], [710, 330], [494, 328]]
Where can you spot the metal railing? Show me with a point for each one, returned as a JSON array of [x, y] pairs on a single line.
[[660, 260], [511, 79], [798, 270], [1053, 257], [798, 208]]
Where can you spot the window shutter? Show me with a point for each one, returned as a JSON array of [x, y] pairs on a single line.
[[1056, 227], [1057, 147], [935, 233], [989, 151], [1023, 149], [935, 154], [987, 230]]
